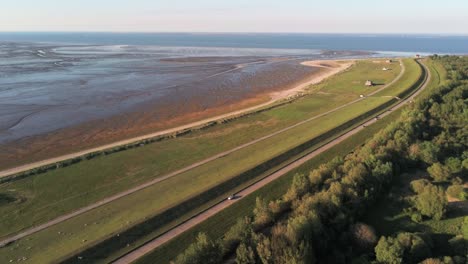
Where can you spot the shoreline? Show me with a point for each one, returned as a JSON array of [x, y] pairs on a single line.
[[323, 73]]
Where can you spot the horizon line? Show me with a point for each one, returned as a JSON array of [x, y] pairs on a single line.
[[237, 32]]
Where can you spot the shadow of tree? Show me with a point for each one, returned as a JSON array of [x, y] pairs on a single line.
[[6, 199]]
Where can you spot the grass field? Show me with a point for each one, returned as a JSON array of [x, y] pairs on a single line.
[[45, 196], [217, 225], [88, 181]]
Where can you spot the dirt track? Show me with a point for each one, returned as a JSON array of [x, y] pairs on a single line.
[[107, 200], [148, 247]]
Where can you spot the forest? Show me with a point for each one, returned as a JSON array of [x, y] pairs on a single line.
[[417, 166]]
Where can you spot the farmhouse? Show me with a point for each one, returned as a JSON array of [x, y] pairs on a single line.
[[369, 83]]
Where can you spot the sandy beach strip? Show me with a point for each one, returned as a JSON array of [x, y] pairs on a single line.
[[327, 69]]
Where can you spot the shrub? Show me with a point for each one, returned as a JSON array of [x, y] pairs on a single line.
[[364, 237], [203, 251], [245, 255], [465, 227], [417, 186], [262, 214], [439, 172], [457, 191], [389, 251], [431, 202], [240, 232], [416, 217]]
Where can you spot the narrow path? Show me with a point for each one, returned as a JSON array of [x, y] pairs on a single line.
[[112, 198], [150, 246], [274, 98]]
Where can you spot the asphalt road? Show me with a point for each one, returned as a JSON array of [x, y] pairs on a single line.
[[153, 244], [112, 198]]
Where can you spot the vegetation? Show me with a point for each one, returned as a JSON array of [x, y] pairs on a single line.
[[217, 225], [48, 195], [108, 220], [320, 209]]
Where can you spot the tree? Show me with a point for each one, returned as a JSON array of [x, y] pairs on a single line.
[[202, 251], [364, 237], [465, 227], [454, 165], [431, 202], [418, 186], [415, 247], [262, 214], [389, 251], [439, 172], [428, 152], [300, 186], [245, 255], [240, 232], [457, 191]]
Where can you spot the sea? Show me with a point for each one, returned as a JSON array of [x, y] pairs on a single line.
[[422, 43], [50, 81]]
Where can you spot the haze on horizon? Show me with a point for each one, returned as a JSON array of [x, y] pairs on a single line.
[[295, 16]]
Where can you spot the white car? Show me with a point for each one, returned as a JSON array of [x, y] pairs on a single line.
[[231, 197]]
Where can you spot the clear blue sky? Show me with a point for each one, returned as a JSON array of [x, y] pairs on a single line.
[[335, 16]]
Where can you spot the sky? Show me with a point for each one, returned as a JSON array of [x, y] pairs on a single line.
[[294, 16]]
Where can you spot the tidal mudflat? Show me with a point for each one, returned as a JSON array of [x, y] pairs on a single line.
[[57, 98]]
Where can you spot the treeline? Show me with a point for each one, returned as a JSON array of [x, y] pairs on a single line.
[[316, 219]]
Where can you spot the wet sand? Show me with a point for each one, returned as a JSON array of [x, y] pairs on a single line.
[[216, 85]]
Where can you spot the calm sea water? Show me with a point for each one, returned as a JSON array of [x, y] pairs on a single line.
[[366, 42]]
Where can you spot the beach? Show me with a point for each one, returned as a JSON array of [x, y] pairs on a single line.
[[128, 95]]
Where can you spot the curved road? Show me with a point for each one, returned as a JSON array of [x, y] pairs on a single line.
[[151, 245], [112, 198]]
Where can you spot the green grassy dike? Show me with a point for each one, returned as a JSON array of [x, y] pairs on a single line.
[[42, 197], [216, 226], [88, 229]]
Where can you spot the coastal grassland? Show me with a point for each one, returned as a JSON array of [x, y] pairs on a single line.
[[216, 226], [85, 229], [354, 79], [42, 197], [413, 74], [438, 75], [115, 217]]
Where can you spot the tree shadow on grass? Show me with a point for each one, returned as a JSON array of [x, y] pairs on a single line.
[[6, 199]]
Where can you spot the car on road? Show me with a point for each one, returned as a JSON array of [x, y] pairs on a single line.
[[231, 197]]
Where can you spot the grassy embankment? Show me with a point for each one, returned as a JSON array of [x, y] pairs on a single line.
[[138, 231], [121, 221], [48, 195], [216, 226]]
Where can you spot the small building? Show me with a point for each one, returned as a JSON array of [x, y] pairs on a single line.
[[389, 61], [369, 83], [362, 96], [385, 69]]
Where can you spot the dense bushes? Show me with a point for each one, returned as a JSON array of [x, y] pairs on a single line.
[[431, 202], [202, 251], [404, 248]]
